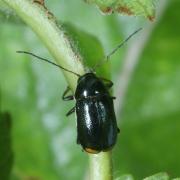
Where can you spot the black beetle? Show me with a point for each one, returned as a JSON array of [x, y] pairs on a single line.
[[96, 121]]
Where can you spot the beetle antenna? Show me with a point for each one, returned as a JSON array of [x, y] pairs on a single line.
[[117, 48], [38, 57]]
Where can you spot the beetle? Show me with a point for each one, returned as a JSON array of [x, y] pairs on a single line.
[[96, 121]]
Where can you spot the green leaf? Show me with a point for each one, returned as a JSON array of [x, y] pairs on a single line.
[[6, 154], [159, 176], [89, 47], [144, 8], [32, 142], [149, 138]]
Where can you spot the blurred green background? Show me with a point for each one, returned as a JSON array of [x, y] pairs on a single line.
[[146, 74]]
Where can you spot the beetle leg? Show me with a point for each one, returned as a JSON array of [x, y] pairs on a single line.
[[113, 97], [107, 82], [71, 111], [41, 2], [118, 130], [67, 98]]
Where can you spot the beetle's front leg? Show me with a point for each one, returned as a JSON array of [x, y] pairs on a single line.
[[107, 82], [69, 97]]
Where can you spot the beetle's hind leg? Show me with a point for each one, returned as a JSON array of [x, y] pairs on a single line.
[[69, 97], [71, 111], [107, 83]]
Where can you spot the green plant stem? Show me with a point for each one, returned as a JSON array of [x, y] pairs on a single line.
[[101, 166], [58, 44], [51, 34]]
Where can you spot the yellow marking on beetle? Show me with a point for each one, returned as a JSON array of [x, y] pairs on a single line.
[[92, 151]]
